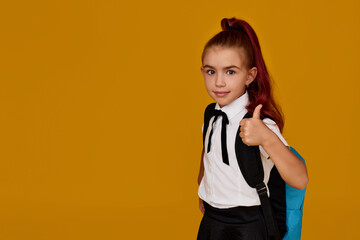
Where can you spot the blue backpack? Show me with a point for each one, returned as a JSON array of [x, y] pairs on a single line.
[[283, 209], [294, 208]]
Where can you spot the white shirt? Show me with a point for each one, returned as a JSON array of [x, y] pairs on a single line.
[[223, 185]]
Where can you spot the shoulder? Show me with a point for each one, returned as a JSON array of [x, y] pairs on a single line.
[[271, 124], [207, 112], [209, 107], [275, 128], [207, 115]]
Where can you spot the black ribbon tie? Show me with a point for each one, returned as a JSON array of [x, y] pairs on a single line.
[[225, 121]]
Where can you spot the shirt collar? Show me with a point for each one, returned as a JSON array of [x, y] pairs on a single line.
[[235, 106]]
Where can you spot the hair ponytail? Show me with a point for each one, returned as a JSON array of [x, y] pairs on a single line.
[[238, 33]]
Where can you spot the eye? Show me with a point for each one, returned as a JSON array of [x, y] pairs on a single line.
[[231, 72], [210, 72]]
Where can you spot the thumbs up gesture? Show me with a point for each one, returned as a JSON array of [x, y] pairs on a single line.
[[253, 131]]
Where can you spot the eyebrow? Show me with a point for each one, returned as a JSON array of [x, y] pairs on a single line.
[[232, 66]]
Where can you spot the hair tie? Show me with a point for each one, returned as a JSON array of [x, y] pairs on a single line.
[[234, 28]]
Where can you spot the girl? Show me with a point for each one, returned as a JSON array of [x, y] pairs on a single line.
[[237, 79]]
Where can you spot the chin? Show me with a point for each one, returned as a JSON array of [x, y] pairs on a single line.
[[222, 103]]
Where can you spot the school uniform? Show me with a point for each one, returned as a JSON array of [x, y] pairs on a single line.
[[232, 207]]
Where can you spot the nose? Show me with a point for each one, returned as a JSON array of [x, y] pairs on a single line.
[[219, 81]]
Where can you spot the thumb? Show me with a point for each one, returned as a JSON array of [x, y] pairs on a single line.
[[257, 110]]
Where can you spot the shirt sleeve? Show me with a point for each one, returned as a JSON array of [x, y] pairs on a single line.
[[274, 127]]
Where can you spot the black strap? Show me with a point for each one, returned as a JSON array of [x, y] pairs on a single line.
[[207, 117], [270, 220], [251, 167], [249, 160]]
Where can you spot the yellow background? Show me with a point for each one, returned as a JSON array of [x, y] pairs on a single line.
[[102, 102]]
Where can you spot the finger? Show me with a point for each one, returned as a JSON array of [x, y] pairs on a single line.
[[241, 134], [242, 122], [243, 129], [257, 110]]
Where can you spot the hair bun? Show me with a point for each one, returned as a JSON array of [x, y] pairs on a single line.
[[226, 23]]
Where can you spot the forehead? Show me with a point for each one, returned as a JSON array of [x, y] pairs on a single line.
[[219, 56]]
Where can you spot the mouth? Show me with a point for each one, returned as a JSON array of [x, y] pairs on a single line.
[[221, 93]]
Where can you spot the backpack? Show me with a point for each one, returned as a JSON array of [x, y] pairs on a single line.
[[283, 209]]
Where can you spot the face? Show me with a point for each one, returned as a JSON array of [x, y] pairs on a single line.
[[225, 73]]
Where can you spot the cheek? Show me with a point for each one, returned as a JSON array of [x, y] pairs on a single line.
[[207, 82], [238, 83]]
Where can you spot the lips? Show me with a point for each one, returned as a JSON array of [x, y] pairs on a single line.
[[221, 93]]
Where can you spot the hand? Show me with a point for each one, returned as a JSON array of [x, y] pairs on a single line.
[[253, 131], [201, 206]]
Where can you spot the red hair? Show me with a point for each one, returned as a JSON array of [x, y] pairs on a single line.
[[238, 33]]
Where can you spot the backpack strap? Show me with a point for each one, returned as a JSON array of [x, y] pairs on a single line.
[[251, 167], [277, 189], [207, 117]]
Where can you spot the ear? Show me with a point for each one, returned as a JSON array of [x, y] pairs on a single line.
[[252, 72], [202, 70]]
